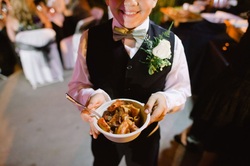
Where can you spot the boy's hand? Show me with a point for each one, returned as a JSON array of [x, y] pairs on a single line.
[[85, 115], [94, 102], [157, 106]]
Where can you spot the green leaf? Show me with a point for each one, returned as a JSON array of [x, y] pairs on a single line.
[[167, 33]]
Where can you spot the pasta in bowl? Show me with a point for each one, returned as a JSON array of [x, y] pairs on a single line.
[[122, 120]]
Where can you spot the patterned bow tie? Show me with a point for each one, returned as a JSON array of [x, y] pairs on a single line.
[[120, 33]]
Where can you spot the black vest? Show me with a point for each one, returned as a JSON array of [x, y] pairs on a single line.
[[112, 70]]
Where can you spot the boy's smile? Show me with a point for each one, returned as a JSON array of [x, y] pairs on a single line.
[[131, 13]]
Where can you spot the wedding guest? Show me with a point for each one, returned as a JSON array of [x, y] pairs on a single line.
[[81, 9], [109, 67], [25, 16], [8, 57], [100, 4], [65, 16], [221, 115]]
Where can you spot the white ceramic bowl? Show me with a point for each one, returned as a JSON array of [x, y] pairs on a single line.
[[122, 138]]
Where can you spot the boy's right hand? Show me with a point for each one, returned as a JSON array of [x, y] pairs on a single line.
[[94, 102], [85, 115]]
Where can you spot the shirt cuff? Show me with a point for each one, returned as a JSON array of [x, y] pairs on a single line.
[[172, 104], [107, 98]]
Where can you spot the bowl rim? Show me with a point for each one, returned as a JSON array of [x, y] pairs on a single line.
[[106, 104]]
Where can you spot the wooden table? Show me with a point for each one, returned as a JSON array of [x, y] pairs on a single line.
[[179, 15]]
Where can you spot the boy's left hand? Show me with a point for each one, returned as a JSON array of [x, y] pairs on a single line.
[[157, 106]]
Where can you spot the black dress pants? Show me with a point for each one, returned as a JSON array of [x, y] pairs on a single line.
[[143, 151]]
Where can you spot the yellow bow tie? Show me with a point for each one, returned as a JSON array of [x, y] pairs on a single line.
[[120, 33]]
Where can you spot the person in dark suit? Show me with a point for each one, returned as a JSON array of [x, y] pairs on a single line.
[[221, 115]]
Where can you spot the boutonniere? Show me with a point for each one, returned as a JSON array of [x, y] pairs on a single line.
[[158, 52]]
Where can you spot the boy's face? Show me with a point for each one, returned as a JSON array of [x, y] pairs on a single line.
[[131, 13]]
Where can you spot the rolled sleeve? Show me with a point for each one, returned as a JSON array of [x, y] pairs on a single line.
[[80, 87]]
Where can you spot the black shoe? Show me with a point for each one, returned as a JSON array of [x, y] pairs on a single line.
[[192, 145], [177, 138]]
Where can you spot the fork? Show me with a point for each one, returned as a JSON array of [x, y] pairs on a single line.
[[94, 113]]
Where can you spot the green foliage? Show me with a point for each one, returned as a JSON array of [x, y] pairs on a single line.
[[156, 15]]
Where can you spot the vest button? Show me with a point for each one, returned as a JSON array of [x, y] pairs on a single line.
[[129, 67]]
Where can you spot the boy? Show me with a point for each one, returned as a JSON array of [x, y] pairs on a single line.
[[110, 67]]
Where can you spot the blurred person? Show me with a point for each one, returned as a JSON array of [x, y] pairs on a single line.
[[100, 4], [221, 115], [65, 16], [8, 57], [57, 11], [25, 16], [109, 68], [81, 10]]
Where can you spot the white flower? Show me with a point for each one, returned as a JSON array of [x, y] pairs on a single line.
[[158, 52], [162, 50]]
